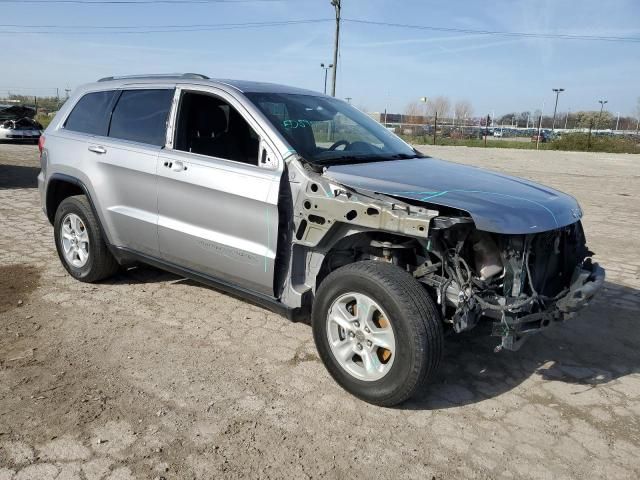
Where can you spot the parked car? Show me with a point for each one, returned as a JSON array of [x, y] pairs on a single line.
[[17, 124], [250, 187], [497, 133], [541, 137]]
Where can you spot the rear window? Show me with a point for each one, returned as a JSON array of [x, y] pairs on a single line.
[[141, 116], [91, 114]]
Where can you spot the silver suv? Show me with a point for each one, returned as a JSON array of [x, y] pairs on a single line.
[[304, 204]]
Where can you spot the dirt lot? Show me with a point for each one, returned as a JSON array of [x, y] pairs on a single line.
[[151, 376]]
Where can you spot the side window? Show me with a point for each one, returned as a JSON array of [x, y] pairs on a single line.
[[91, 114], [210, 126], [141, 116]]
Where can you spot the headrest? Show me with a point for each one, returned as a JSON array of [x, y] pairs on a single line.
[[208, 118]]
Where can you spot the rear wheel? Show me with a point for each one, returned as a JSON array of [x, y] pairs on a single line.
[[79, 241], [377, 331]]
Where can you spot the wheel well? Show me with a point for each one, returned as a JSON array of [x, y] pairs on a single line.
[[367, 246], [57, 191]]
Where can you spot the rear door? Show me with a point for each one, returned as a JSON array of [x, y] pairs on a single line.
[[126, 161], [218, 192]]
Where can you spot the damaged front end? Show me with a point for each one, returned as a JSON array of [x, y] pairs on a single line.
[[523, 283], [515, 283]]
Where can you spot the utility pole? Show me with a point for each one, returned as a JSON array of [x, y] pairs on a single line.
[[435, 127], [486, 130], [557, 90], [539, 129], [618, 121], [325, 75], [566, 119], [601, 102], [337, 5]]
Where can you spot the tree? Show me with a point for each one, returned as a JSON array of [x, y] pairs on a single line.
[[440, 105], [413, 113], [463, 109], [524, 118], [507, 119], [588, 118]]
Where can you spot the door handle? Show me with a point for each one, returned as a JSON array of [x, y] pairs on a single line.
[[177, 166], [97, 149]]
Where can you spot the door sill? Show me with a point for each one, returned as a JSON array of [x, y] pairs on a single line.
[[127, 255]]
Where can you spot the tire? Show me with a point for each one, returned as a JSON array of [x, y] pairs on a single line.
[[99, 263], [414, 320]]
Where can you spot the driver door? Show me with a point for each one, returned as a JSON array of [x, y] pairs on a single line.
[[218, 184]]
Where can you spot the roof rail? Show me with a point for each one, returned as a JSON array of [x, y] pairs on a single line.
[[190, 76]]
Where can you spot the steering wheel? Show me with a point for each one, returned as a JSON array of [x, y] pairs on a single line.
[[338, 143]]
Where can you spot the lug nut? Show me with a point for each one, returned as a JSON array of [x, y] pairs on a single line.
[[366, 329], [351, 334], [359, 346], [369, 343], [357, 324]]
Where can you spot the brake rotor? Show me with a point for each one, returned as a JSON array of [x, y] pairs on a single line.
[[381, 321]]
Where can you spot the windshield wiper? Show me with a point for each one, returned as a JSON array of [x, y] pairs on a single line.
[[364, 158], [351, 159], [406, 156]]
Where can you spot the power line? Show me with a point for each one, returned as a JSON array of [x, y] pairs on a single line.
[[556, 36], [195, 25], [134, 2], [148, 29], [133, 30]]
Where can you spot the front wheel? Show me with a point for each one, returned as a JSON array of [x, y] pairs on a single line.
[[377, 331]]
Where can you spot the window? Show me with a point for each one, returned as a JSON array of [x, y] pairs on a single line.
[[91, 114], [141, 116], [209, 126], [328, 131]]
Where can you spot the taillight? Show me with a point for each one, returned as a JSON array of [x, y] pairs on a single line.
[[41, 144]]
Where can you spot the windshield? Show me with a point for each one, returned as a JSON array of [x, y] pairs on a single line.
[[325, 130]]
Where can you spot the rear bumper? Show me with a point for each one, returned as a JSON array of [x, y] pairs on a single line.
[[516, 326]]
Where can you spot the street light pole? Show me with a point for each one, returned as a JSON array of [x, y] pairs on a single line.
[[337, 5], [325, 75], [557, 90], [602, 103]]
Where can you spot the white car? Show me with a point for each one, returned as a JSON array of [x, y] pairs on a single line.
[[17, 124]]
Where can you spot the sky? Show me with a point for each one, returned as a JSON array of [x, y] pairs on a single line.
[[380, 67]]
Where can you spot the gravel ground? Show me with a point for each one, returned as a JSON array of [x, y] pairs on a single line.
[[149, 375]]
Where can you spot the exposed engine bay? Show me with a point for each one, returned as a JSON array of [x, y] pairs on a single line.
[[520, 283]]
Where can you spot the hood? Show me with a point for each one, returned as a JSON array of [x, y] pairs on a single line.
[[496, 202], [15, 112]]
